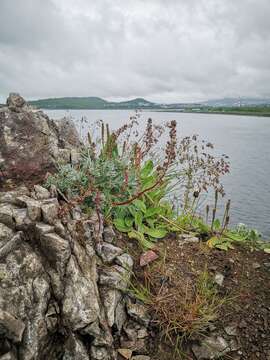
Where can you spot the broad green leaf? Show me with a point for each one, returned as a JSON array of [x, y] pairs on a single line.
[[152, 211], [236, 236], [121, 225], [138, 218], [156, 195], [132, 210], [140, 205], [155, 233], [203, 228], [141, 228], [222, 246], [147, 168], [146, 244], [151, 222], [148, 182], [213, 241], [129, 221]]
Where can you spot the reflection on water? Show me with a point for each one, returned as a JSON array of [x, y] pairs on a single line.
[[244, 138]]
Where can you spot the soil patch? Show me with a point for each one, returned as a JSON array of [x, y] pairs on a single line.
[[245, 278]]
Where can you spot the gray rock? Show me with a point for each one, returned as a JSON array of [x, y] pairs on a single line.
[[63, 156], [59, 228], [40, 141], [211, 348], [15, 101], [142, 333], [74, 349], [55, 249], [49, 280], [114, 277], [50, 211], [5, 234], [93, 329], [131, 330], [33, 207], [21, 218], [231, 330], [11, 355], [234, 345], [43, 228], [108, 234], [6, 215], [256, 265], [111, 298], [188, 238], [138, 312], [76, 213], [125, 353], [11, 245], [99, 353], [10, 197], [11, 327], [138, 346], [108, 252], [80, 303], [41, 193], [125, 260], [120, 315], [219, 278], [68, 134], [53, 191], [52, 316]]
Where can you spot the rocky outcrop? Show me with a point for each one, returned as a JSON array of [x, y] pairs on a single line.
[[63, 281], [31, 144], [62, 287]]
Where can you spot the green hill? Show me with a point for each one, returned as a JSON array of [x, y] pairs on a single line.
[[70, 103], [90, 103]]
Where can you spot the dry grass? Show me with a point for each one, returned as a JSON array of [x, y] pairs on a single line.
[[182, 308]]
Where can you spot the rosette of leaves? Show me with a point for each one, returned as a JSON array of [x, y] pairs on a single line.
[[240, 235], [143, 218]]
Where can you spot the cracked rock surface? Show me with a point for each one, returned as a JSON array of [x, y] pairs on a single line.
[[62, 288]]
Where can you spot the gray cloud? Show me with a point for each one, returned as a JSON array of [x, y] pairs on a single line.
[[174, 50]]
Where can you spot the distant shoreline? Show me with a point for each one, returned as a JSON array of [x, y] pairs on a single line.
[[240, 113], [219, 112]]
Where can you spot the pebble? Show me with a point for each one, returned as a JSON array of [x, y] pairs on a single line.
[[126, 353], [219, 278], [148, 257]]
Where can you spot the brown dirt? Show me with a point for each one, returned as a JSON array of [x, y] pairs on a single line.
[[246, 286]]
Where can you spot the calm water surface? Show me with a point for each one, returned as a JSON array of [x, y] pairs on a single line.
[[245, 139]]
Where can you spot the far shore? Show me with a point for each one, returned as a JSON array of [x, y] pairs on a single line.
[[240, 113]]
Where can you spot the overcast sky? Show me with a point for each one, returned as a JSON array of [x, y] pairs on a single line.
[[163, 50]]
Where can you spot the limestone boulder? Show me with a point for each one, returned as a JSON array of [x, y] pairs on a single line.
[[31, 144]]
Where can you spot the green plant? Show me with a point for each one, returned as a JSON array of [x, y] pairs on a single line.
[[143, 218], [100, 178], [193, 224], [240, 235], [180, 313], [116, 178]]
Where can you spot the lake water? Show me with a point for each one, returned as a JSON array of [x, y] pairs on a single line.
[[245, 139]]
